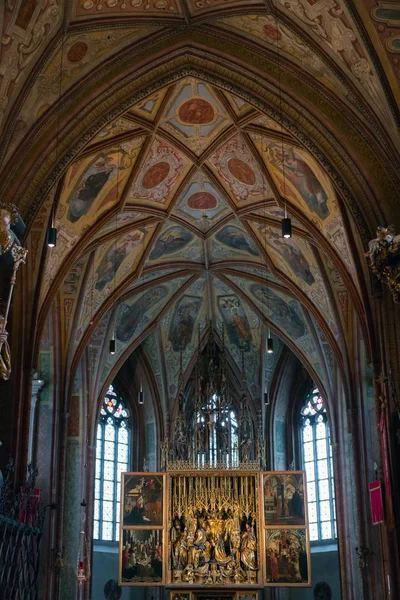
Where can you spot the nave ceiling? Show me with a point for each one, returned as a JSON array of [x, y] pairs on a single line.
[[170, 196], [170, 221]]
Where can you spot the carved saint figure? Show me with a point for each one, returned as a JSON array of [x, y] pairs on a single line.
[[248, 547]]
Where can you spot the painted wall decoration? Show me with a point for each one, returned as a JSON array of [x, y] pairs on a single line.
[[90, 8], [194, 299], [339, 35], [235, 318], [195, 116], [148, 108], [161, 172], [82, 52], [170, 241], [234, 164], [284, 312], [114, 223], [89, 187], [235, 238], [114, 128], [268, 32], [129, 317], [183, 321], [240, 106]]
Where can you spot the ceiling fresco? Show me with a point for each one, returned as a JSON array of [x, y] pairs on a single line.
[[320, 40], [168, 211], [168, 229], [201, 204]]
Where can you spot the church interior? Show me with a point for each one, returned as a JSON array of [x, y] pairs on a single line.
[[199, 299]]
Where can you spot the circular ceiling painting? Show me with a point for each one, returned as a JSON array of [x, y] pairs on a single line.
[[196, 111], [202, 201], [241, 171], [155, 175], [77, 52]]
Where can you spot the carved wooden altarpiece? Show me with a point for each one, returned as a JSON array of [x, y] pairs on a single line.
[[233, 528]]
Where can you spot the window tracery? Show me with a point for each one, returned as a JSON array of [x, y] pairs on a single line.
[[317, 462], [113, 441]]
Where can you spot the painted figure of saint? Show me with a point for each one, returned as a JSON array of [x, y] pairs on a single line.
[[91, 184], [113, 259], [305, 181], [170, 241], [248, 547], [236, 320], [235, 238], [183, 322], [283, 313]]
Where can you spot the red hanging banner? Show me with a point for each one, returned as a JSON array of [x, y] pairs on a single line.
[[375, 498], [386, 470]]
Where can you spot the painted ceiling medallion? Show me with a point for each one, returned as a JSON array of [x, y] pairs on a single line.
[[202, 201], [162, 168], [155, 175], [196, 111], [241, 171], [77, 52]]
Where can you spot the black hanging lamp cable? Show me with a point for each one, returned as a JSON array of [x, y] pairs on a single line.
[[52, 230], [286, 222], [113, 344]]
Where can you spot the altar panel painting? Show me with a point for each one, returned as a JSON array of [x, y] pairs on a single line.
[[141, 557], [284, 499], [143, 502], [287, 557]]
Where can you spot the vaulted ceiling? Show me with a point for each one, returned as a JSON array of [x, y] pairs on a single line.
[[169, 201]]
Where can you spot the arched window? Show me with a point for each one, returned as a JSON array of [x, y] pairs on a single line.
[[112, 458], [317, 459]]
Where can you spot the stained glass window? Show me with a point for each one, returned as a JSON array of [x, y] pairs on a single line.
[[112, 458], [317, 461]]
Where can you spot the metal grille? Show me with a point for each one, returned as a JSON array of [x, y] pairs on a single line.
[[21, 524]]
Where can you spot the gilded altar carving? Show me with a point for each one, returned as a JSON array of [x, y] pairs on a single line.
[[384, 258], [214, 535]]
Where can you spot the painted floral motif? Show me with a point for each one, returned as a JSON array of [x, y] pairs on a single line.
[[239, 170], [161, 169]]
